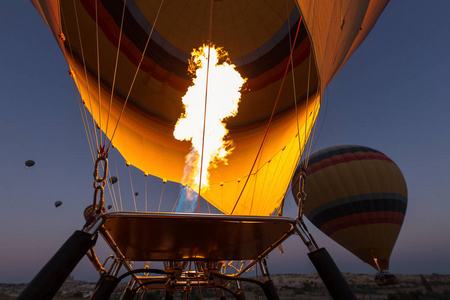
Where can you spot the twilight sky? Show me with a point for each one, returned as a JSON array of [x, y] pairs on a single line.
[[392, 95]]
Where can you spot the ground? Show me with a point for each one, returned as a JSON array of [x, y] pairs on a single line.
[[290, 287]]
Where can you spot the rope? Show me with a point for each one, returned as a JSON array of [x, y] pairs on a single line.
[[256, 286], [85, 125], [113, 197], [307, 101], [135, 75], [265, 178], [255, 182], [98, 73], [145, 192], [178, 198], [206, 102], [214, 284], [162, 192], [115, 72], [83, 113], [270, 120], [306, 154], [310, 146], [118, 181], [293, 79], [306, 159], [132, 188], [323, 118], [198, 281], [307, 94], [79, 101], [275, 172], [282, 168], [85, 70]]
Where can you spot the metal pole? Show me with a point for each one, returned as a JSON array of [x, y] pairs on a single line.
[[105, 287], [327, 269], [329, 272], [129, 291], [268, 286], [240, 294]]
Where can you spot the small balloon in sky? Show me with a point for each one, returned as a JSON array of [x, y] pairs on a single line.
[[136, 193], [113, 179], [29, 163], [58, 203]]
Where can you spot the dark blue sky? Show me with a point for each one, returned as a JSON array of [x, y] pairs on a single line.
[[392, 95]]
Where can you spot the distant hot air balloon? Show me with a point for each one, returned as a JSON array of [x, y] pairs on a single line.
[[357, 196], [29, 163], [113, 179], [136, 194], [58, 203], [109, 206]]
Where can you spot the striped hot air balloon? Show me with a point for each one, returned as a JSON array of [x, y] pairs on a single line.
[[357, 196]]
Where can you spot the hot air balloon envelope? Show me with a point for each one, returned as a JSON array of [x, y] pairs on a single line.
[[29, 163], [58, 203], [113, 179], [357, 196], [275, 116]]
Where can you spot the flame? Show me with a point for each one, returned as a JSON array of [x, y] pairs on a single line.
[[220, 88], [376, 263], [188, 201]]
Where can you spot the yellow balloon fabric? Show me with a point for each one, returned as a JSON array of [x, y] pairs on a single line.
[[357, 196], [257, 35]]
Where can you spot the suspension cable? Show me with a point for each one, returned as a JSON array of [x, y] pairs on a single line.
[[301, 196], [178, 198], [293, 79], [306, 159], [307, 94], [85, 71], [214, 284], [207, 204], [307, 100], [102, 156], [162, 192], [310, 146], [270, 121], [135, 74], [80, 102], [87, 129], [98, 73], [323, 118], [118, 181], [115, 68], [113, 195], [132, 188], [198, 281], [206, 102], [146, 175]]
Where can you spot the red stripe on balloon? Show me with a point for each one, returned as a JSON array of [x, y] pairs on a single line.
[[368, 218], [346, 157], [127, 47]]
